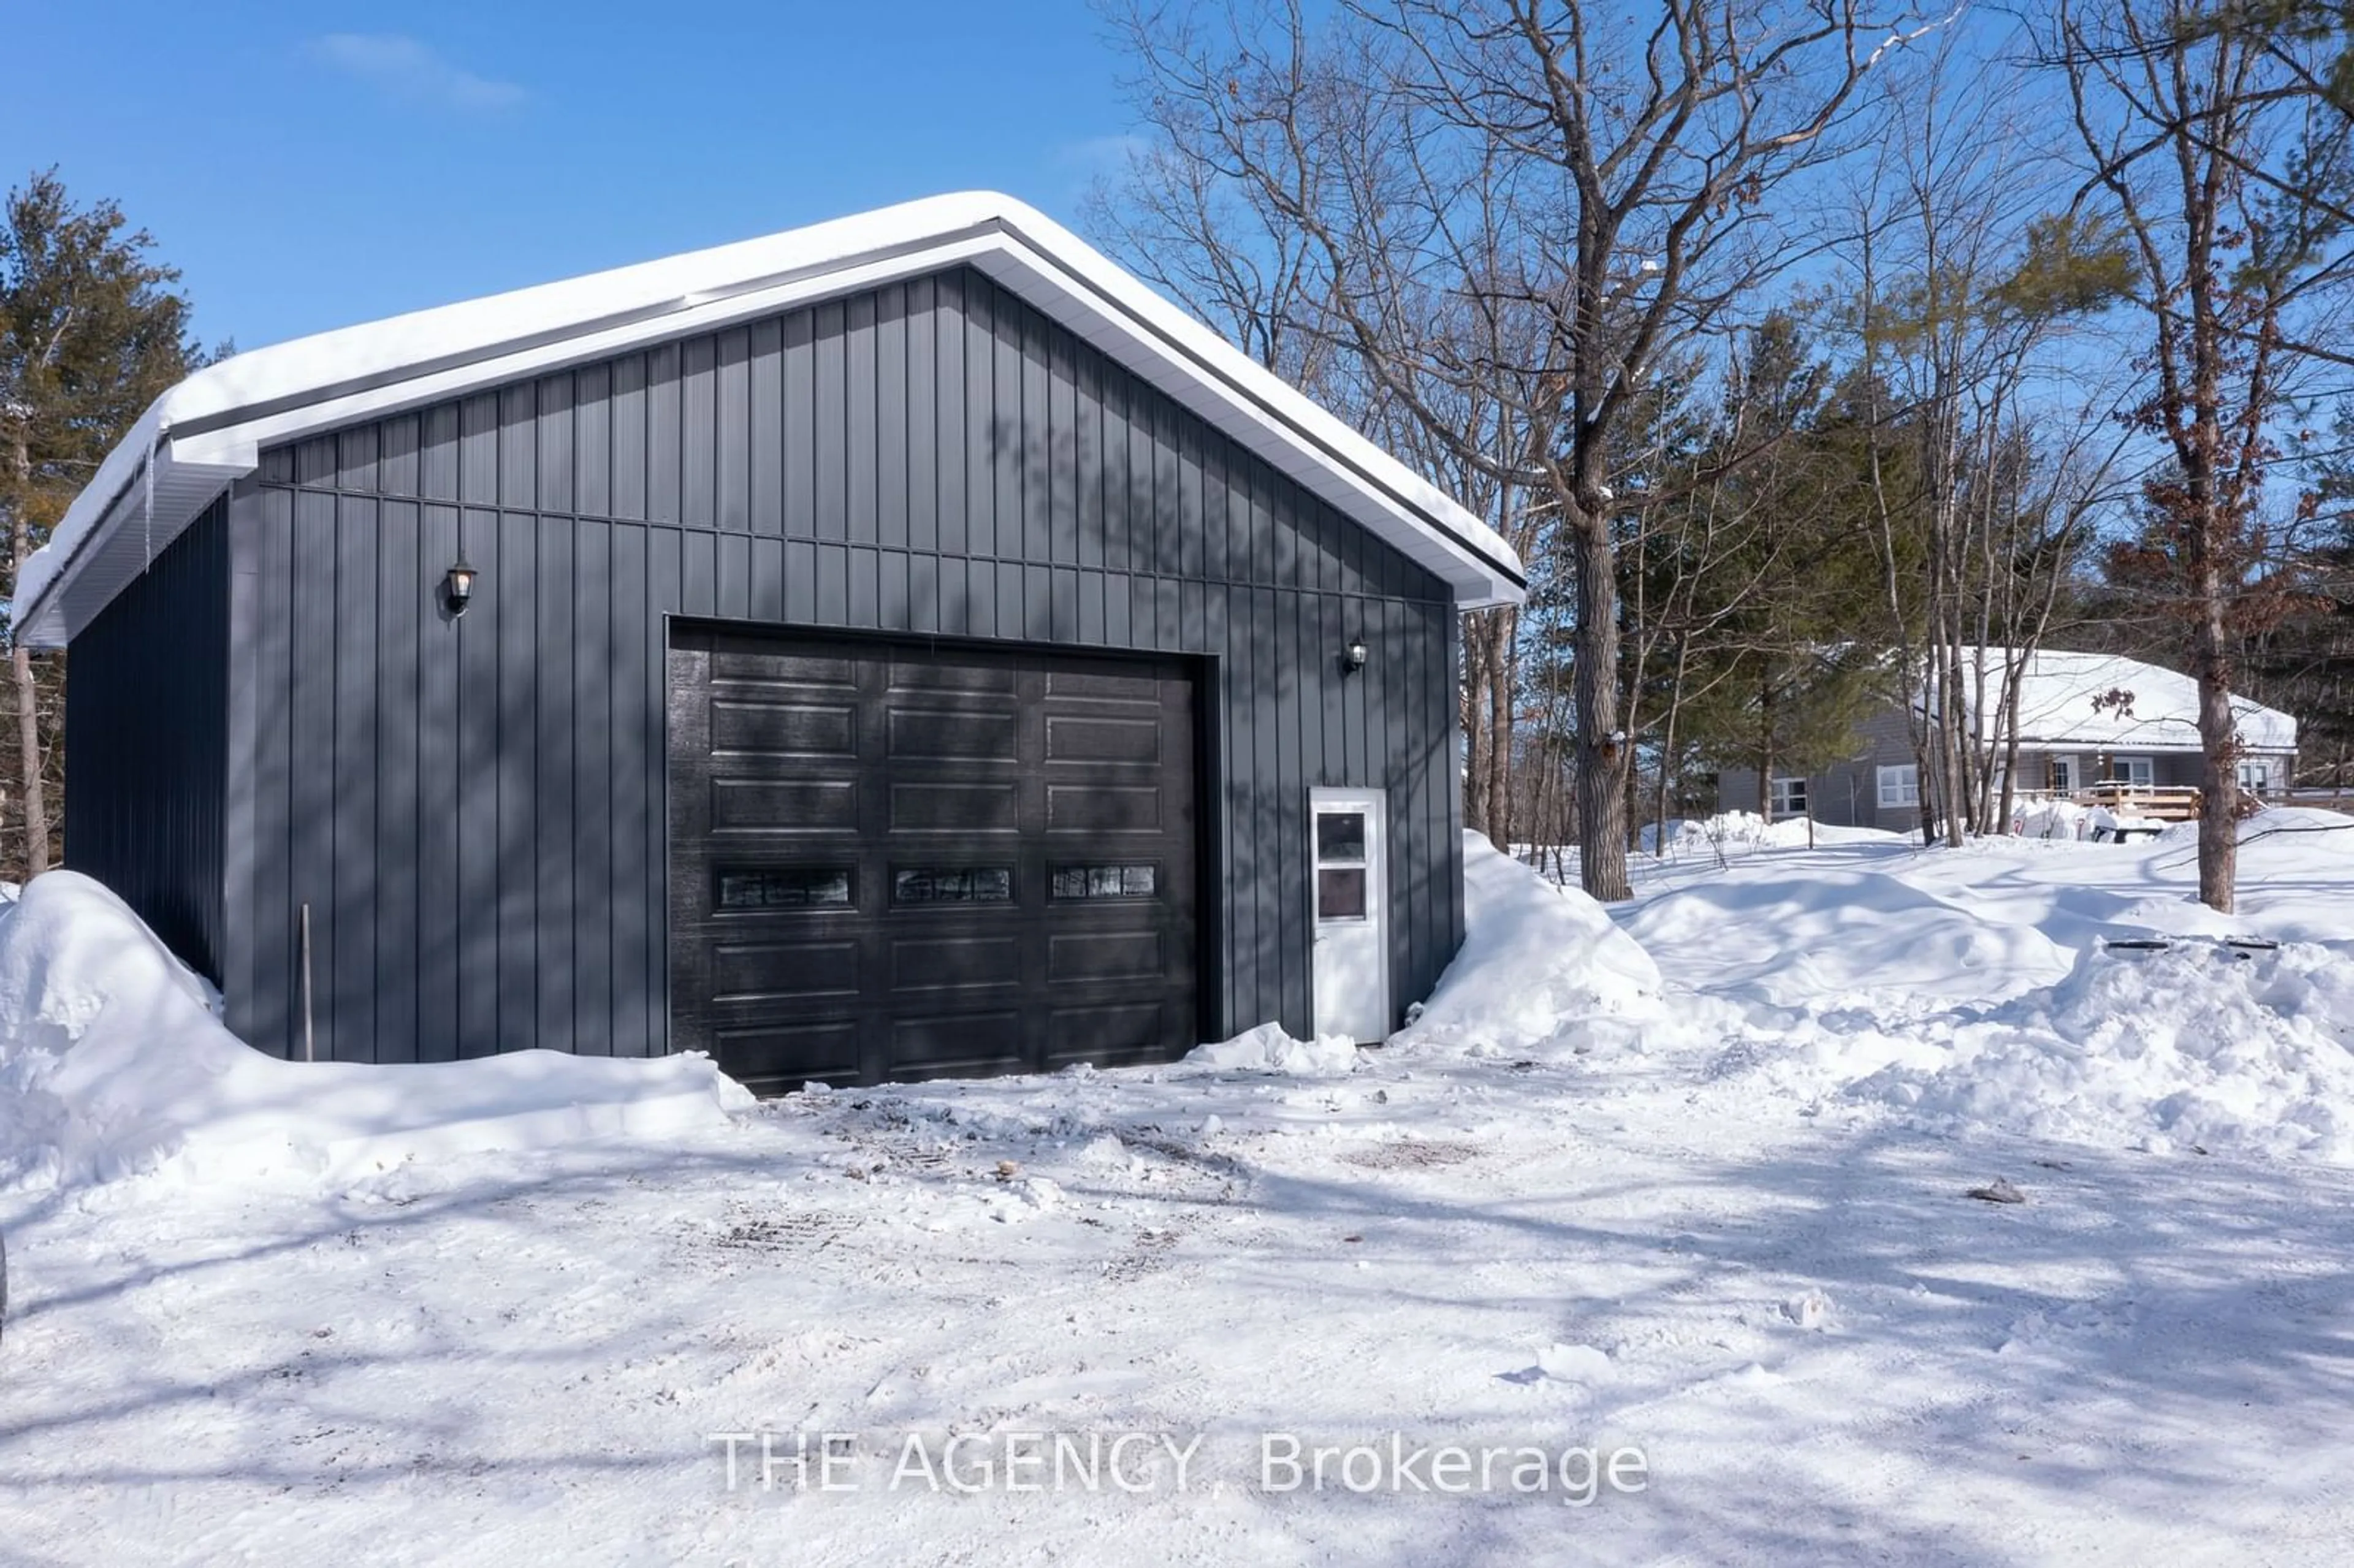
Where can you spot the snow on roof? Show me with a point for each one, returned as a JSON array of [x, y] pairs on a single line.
[[2056, 703], [208, 430]]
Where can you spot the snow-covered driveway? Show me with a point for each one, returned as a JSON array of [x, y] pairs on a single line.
[[1736, 1250]]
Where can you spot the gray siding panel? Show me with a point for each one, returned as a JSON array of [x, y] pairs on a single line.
[[558, 652], [353, 682], [441, 913], [473, 807], [636, 779], [264, 1014], [146, 805], [243, 530], [400, 610], [312, 773]]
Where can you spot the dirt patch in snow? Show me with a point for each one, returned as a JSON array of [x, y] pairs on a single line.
[[1412, 1154]]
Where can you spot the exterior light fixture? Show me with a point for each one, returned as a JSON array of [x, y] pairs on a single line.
[[1354, 657], [458, 586]]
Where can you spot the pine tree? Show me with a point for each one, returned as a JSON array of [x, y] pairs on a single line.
[[1777, 674], [91, 330], [2304, 664]]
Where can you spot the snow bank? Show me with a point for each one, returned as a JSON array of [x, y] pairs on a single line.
[[1267, 1049], [1539, 964], [1789, 940], [1745, 832], [2196, 1045], [2052, 819], [2283, 838], [111, 1063]]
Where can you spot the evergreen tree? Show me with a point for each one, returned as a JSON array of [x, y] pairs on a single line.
[[91, 330], [2305, 664], [1782, 666]]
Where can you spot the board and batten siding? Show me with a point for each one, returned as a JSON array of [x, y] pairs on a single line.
[[474, 810], [147, 753]]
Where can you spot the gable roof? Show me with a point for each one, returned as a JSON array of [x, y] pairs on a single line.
[[203, 434], [2056, 707]]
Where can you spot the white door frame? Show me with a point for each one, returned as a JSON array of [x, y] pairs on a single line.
[[1348, 999]]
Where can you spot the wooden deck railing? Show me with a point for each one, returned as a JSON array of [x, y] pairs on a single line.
[[2163, 803]]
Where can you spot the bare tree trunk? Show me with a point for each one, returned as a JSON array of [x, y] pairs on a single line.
[[1503, 627], [1487, 682], [20, 665], [2011, 756], [1474, 715], [1923, 779], [28, 742], [1668, 749], [1602, 749], [2219, 777]]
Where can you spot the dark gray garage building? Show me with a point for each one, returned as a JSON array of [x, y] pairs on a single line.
[[901, 646]]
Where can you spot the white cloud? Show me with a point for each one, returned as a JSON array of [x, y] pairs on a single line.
[[407, 68], [1103, 155]]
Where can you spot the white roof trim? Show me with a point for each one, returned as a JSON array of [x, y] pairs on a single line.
[[210, 429]]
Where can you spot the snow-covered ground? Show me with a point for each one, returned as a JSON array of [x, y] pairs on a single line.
[[1686, 1181]]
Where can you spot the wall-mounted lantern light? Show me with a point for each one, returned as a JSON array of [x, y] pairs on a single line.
[[1352, 658], [458, 586]]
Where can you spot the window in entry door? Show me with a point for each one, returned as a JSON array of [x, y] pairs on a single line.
[[1339, 865]]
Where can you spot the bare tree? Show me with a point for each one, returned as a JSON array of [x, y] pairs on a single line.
[[2220, 160], [1987, 441], [1602, 179]]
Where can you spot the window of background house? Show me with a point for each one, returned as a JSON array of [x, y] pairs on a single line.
[[1900, 785], [1789, 796]]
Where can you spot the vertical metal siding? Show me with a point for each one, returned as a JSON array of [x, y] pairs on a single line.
[[146, 743], [472, 808]]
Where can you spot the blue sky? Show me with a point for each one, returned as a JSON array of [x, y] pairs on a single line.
[[308, 165]]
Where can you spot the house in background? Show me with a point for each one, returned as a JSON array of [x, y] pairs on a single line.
[[903, 646], [2073, 735]]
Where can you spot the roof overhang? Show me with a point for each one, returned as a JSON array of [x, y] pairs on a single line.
[[211, 429]]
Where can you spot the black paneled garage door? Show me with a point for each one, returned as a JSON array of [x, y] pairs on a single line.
[[891, 861]]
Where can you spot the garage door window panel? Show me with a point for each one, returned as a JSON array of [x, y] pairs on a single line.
[[952, 885], [1076, 883], [787, 887]]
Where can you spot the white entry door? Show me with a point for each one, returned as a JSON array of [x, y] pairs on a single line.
[[1348, 842]]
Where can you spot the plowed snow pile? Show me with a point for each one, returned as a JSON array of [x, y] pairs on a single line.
[[1791, 939], [1540, 965], [2194, 1046], [1267, 1049], [1730, 833], [111, 1063], [1981, 988]]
